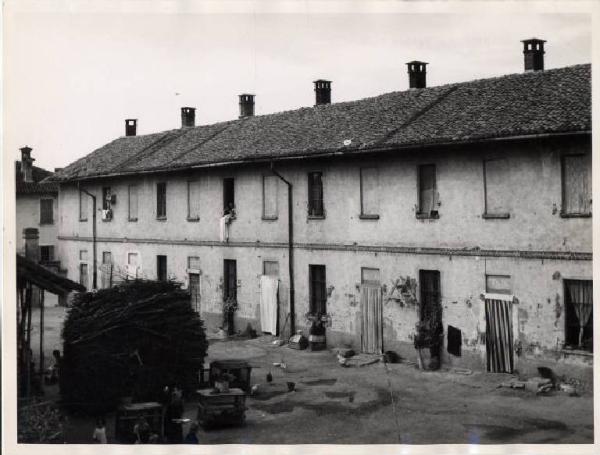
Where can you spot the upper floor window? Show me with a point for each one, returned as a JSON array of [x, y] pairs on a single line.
[[497, 188], [369, 193], [46, 253], [315, 195], [106, 198], [229, 196], [193, 200], [83, 206], [161, 200], [427, 204], [133, 202], [46, 211], [270, 183], [576, 185]]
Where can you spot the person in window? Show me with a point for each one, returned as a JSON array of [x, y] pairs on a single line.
[[228, 216]]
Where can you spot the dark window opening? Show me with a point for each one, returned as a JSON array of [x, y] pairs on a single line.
[[106, 198], [579, 325], [228, 196], [315, 194], [230, 279], [161, 268], [46, 253], [161, 200], [430, 325], [46, 211], [318, 289], [427, 191]]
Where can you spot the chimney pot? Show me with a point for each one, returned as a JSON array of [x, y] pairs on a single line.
[[417, 74], [130, 127], [188, 117], [322, 92], [246, 105], [32, 244], [27, 164], [533, 51]]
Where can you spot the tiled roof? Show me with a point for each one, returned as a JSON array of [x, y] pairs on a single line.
[[551, 101], [39, 183]]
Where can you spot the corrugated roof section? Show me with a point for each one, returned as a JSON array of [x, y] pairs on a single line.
[[552, 101]]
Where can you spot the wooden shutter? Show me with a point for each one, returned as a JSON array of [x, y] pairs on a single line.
[[369, 191], [576, 185], [46, 211], [161, 200], [318, 291], [133, 202], [497, 187], [315, 194], [194, 191], [270, 196]]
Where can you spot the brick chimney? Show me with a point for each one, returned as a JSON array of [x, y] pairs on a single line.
[[246, 105], [417, 74], [130, 127], [32, 244], [27, 164], [188, 117], [533, 50], [322, 92]]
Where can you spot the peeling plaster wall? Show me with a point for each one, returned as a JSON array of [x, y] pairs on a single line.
[[534, 225]]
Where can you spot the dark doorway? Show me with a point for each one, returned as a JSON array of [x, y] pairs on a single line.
[[228, 194], [229, 293], [431, 312], [318, 291], [161, 268]]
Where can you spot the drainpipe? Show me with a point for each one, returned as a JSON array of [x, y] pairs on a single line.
[[94, 271], [290, 249]]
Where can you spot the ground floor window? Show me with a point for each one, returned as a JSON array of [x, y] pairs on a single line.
[[579, 326]]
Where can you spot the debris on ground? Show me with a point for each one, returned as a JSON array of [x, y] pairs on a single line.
[[464, 371], [344, 352], [298, 341], [391, 357], [538, 384], [360, 360], [514, 384], [278, 342]]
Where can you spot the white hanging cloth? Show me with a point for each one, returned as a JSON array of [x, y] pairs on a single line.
[[269, 286]]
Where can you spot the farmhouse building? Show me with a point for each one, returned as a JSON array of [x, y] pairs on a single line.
[[467, 205], [36, 207]]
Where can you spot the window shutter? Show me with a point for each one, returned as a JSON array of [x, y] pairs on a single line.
[[194, 191], [133, 202], [497, 187], [369, 185], [427, 188], [270, 196], [576, 185]]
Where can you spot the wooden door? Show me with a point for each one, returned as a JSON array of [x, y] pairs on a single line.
[[372, 318], [499, 337]]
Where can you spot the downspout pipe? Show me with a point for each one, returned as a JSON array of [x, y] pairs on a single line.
[[290, 249], [94, 247]]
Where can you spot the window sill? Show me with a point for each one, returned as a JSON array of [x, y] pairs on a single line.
[[193, 219], [46, 224], [133, 220], [575, 215], [368, 217], [434, 215], [161, 218], [106, 221], [83, 221], [269, 218], [316, 217], [495, 216]]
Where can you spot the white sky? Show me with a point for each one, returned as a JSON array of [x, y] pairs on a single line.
[[72, 78]]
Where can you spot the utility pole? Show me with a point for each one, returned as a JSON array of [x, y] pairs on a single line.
[[94, 252]]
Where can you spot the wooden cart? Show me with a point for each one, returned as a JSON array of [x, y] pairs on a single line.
[[127, 416], [221, 408], [240, 369]]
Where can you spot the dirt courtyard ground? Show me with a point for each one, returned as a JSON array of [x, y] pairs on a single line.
[[377, 403]]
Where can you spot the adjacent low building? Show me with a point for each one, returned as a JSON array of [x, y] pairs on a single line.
[[462, 211]]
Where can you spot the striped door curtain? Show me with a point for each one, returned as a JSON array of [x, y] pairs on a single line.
[[499, 337], [372, 319]]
